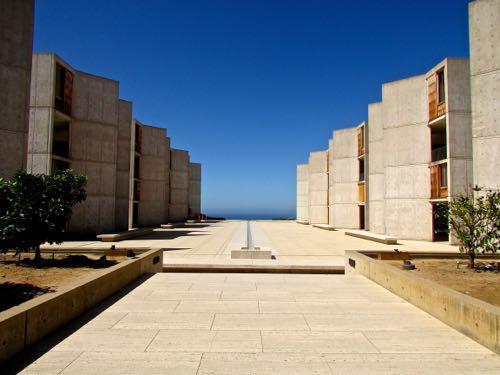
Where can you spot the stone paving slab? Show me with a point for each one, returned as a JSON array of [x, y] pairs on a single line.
[[260, 324]]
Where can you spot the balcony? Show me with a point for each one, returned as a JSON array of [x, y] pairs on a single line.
[[438, 153]]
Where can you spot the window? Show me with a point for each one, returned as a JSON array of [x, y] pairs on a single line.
[[441, 86], [443, 175], [361, 170]]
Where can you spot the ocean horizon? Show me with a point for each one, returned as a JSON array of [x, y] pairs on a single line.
[[253, 216]]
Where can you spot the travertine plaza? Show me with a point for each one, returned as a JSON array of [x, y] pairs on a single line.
[[432, 137]]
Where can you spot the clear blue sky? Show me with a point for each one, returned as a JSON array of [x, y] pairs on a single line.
[[250, 87]]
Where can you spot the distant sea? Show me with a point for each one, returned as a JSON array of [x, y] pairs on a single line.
[[253, 216]]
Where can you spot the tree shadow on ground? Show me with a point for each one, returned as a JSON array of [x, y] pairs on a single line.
[[20, 361], [13, 294], [70, 261]]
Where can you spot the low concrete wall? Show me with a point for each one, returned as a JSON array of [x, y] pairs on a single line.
[[23, 325], [477, 319]]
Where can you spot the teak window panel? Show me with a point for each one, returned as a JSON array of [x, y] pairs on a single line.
[[361, 192], [361, 141], [439, 181], [436, 95]]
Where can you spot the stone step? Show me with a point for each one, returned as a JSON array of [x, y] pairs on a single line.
[[382, 238]]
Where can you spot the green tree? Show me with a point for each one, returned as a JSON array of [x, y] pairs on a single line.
[[35, 208], [476, 222]]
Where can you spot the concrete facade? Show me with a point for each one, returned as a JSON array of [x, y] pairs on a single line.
[[194, 209], [153, 174], [318, 187], [16, 45], [406, 145], [303, 193], [344, 175], [77, 121], [376, 195], [179, 185], [484, 33]]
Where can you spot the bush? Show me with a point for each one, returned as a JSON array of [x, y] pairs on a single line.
[[476, 222], [35, 208]]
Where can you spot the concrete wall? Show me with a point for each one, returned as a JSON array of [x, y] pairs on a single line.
[[41, 113], [16, 44], [345, 211], [376, 184], [484, 30], [179, 185], [194, 189], [122, 200], [318, 187], [406, 145], [93, 151], [303, 193], [153, 206], [27, 323]]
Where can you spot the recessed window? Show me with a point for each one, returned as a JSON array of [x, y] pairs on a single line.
[[443, 175], [441, 86]]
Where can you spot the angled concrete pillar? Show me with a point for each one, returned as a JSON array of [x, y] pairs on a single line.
[[318, 187], [484, 33], [194, 189], [179, 185], [16, 45], [303, 193]]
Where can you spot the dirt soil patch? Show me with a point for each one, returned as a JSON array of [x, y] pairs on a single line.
[[23, 279], [483, 285]]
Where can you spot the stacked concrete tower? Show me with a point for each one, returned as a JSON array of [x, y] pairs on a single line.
[[484, 33], [431, 138], [16, 44], [78, 121], [194, 210], [179, 185]]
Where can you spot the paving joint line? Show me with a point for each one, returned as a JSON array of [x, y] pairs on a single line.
[[155, 335], [71, 362]]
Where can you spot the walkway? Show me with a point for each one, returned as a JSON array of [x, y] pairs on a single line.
[[260, 324], [292, 243]]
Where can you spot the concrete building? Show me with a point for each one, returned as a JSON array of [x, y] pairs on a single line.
[[194, 209], [16, 45], [484, 33], [430, 139], [179, 185], [77, 121]]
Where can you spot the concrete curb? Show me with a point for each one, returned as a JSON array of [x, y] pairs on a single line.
[[27, 323], [474, 318], [233, 268]]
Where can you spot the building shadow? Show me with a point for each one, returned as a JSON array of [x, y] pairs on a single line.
[[31, 354], [170, 234]]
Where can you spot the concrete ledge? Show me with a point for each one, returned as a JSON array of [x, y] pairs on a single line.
[[114, 237], [477, 319], [324, 226], [251, 254], [172, 225], [27, 323], [302, 222], [234, 268], [382, 238]]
